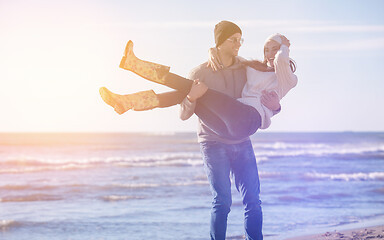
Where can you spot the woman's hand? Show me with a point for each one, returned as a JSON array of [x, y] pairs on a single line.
[[197, 90], [285, 41], [214, 60], [270, 100]]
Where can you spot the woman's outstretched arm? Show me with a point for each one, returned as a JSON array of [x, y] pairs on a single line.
[[285, 76]]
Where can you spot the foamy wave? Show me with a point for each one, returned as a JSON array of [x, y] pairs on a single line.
[[269, 174], [83, 187], [55, 160], [4, 224], [27, 187], [260, 159], [264, 152], [348, 176], [114, 198], [176, 162], [30, 198], [137, 185], [284, 145], [16, 187], [156, 185], [25, 164], [285, 149], [191, 183], [72, 166]]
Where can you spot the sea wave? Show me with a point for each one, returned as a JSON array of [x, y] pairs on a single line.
[[6, 223], [317, 150], [26, 189], [16, 170], [29, 187], [115, 198], [31, 198], [264, 152], [25, 164], [21, 160], [286, 145], [156, 185], [348, 176], [263, 174]]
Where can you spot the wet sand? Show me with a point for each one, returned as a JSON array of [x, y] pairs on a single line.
[[368, 233]]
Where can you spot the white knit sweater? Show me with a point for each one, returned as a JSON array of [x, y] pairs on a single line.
[[280, 81]]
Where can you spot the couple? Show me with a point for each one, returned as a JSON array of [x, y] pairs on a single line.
[[233, 98]]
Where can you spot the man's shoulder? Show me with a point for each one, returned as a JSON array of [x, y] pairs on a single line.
[[199, 71]]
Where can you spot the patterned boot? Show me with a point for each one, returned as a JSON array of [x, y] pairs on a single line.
[[139, 101], [151, 71]]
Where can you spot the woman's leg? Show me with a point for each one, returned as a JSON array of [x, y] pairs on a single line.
[[226, 116], [177, 82], [171, 98], [141, 101], [152, 71]]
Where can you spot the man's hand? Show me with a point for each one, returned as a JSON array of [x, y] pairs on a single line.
[[214, 60], [197, 90], [270, 100]]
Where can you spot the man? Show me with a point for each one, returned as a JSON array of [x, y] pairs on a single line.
[[222, 156]]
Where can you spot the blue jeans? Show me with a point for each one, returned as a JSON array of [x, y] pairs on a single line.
[[219, 161]]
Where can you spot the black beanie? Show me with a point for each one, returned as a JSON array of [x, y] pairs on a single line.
[[223, 30]]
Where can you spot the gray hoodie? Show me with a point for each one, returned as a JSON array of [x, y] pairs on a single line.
[[230, 80]]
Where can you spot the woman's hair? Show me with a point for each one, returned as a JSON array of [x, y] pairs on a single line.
[[292, 65], [258, 65]]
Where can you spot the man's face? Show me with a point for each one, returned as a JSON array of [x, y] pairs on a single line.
[[231, 46]]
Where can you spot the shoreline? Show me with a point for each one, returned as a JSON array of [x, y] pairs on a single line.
[[365, 233]]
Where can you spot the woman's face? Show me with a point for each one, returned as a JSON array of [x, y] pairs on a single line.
[[270, 50]]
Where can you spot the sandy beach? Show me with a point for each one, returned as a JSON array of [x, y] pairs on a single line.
[[368, 233]]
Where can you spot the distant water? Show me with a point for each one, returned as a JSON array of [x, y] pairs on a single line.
[[148, 186]]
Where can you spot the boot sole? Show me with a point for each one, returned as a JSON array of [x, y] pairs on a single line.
[[109, 99]]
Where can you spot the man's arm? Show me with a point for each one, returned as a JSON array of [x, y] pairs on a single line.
[[187, 108], [189, 103]]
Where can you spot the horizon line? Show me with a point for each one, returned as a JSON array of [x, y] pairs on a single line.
[[177, 132]]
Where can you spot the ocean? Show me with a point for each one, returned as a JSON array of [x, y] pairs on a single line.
[[153, 186]]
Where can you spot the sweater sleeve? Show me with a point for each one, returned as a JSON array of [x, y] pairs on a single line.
[[276, 111], [285, 77], [187, 108]]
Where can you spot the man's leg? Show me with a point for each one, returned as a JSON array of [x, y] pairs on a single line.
[[247, 182], [217, 167]]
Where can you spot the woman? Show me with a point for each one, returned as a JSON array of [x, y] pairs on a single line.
[[230, 118]]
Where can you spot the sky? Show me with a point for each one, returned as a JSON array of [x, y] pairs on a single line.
[[55, 55]]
